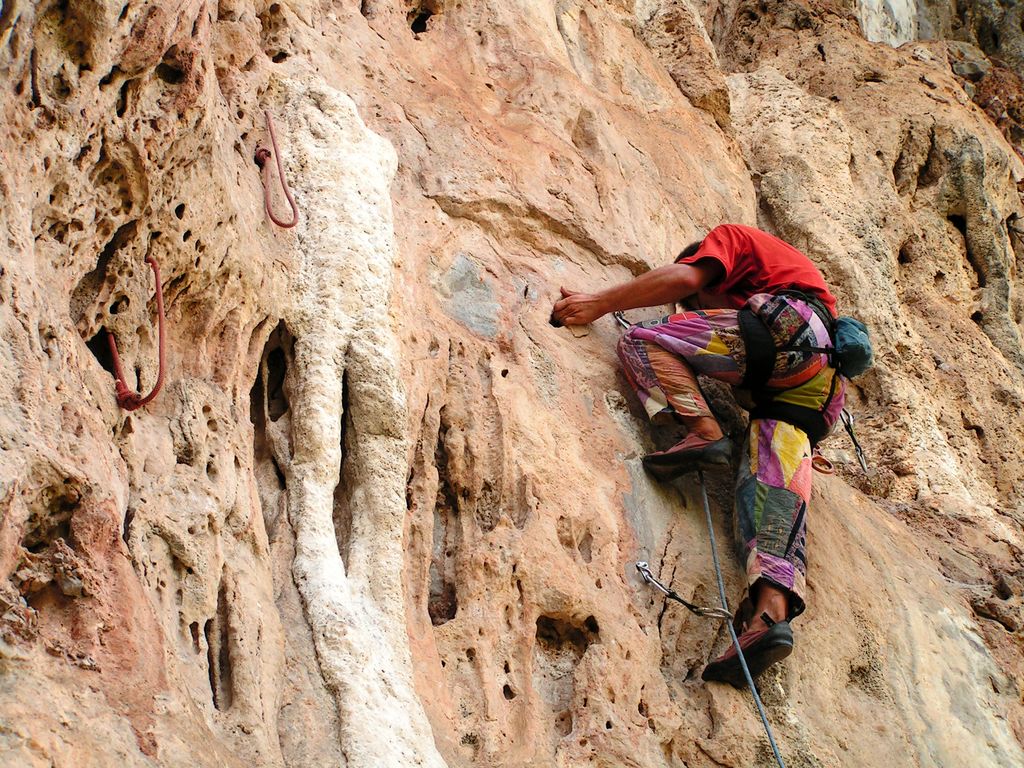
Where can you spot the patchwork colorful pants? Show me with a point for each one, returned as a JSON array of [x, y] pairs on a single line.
[[662, 358]]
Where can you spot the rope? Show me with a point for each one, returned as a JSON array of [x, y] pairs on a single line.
[[126, 398], [262, 155], [732, 631]]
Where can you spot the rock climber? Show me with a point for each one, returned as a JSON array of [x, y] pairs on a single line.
[[760, 320]]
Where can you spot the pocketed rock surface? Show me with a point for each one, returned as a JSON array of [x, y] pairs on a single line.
[[382, 514]]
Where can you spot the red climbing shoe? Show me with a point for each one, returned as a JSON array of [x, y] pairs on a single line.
[[761, 649], [693, 452]]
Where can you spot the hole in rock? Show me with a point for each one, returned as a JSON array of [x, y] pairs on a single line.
[[586, 547], [109, 77], [50, 517], [100, 348], [558, 635], [170, 73], [268, 402], [280, 56], [277, 398], [126, 528], [342, 510], [563, 725], [179, 210], [122, 99], [443, 603], [421, 13], [960, 223], [508, 692], [61, 87], [218, 653], [84, 296], [419, 21], [560, 644]]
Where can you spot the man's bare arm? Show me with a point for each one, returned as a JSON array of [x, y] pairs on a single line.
[[663, 285]]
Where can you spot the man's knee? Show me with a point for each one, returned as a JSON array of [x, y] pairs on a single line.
[[627, 344]]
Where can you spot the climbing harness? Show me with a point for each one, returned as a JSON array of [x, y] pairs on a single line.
[[126, 398], [262, 155], [719, 613]]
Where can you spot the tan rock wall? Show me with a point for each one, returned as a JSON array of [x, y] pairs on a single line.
[[382, 513]]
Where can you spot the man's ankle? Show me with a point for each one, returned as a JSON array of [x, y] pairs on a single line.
[[705, 426], [773, 601]]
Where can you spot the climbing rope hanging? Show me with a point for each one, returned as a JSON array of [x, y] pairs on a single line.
[[126, 398], [728, 624], [718, 613], [262, 156]]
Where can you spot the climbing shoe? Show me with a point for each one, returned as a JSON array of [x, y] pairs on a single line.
[[692, 453], [761, 649]]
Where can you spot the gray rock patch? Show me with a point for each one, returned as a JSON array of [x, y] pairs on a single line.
[[470, 299]]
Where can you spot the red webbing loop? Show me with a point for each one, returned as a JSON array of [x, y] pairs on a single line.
[[126, 398], [822, 465], [262, 155]]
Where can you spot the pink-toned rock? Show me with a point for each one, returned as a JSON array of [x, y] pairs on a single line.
[[382, 513]]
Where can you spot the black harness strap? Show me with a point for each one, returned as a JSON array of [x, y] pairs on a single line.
[[760, 348]]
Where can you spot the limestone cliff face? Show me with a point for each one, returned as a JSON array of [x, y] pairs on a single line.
[[382, 513]]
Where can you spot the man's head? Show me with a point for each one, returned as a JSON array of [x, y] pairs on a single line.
[[689, 250]]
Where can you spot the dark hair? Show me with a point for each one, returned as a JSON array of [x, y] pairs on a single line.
[[689, 250]]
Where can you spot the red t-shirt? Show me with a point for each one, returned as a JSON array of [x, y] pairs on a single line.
[[756, 262]]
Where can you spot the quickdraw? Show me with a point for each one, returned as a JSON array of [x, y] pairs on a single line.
[[671, 594], [847, 418], [126, 398]]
